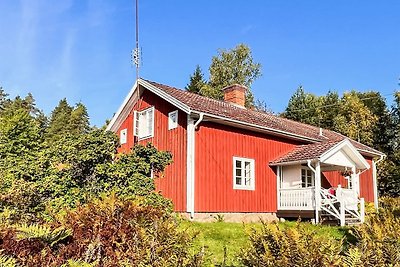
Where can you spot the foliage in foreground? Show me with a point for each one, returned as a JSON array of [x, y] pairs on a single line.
[[105, 232], [374, 243]]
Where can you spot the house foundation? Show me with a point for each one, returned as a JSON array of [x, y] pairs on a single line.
[[237, 217]]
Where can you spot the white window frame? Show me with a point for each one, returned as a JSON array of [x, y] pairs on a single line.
[[139, 128], [123, 136], [243, 185], [350, 181], [172, 124], [308, 183]]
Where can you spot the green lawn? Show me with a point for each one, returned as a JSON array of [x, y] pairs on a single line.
[[222, 238]]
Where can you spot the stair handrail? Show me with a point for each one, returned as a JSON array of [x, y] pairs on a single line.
[[327, 203]]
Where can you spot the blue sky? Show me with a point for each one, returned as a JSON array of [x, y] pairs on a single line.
[[80, 49]]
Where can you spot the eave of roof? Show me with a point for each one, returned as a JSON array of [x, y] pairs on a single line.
[[320, 152]]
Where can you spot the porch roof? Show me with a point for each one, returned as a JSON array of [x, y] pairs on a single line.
[[339, 153]]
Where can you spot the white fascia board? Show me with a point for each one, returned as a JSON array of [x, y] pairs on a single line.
[[116, 120], [339, 146], [112, 125], [165, 96], [370, 153], [296, 162]]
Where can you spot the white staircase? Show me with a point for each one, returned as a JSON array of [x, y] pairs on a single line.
[[344, 207]]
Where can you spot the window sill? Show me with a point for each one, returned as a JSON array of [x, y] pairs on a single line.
[[144, 138], [238, 187]]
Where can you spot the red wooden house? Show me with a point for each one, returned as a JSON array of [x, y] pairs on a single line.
[[234, 161]]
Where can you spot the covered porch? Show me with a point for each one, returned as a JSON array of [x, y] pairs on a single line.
[[305, 188]]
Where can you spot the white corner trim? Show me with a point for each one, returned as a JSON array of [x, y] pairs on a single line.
[[375, 180], [190, 166], [185, 108]]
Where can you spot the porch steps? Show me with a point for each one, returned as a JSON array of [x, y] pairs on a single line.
[[329, 219]]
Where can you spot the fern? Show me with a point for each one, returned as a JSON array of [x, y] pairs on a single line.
[[353, 258], [6, 261], [43, 233], [77, 263]]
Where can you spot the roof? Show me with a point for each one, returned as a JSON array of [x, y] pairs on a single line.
[[305, 152], [263, 119], [225, 111], [339, 153]]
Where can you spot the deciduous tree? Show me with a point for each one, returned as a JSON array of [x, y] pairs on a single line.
[[234, 66]]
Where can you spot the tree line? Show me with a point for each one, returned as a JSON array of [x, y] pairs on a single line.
[[362, 116], [50, 163]]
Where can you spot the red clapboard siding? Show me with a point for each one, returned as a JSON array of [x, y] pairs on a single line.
[[366, 183], [173, 183], [216, 145], [335, 178]]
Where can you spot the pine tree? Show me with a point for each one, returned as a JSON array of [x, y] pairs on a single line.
[[197, 81], [79, 120], [59, 123], [304, 107], [3, 98]]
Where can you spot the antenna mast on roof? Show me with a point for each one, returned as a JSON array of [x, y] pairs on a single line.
[[136, 53]]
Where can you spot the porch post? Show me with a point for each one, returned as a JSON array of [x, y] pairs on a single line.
[[278, 186], [355, 179], [317, 190], [374, 182]]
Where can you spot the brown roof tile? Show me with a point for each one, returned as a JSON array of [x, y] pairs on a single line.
[[261, 119], [305, 152]]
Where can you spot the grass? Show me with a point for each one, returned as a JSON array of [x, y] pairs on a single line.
[[223, 241]]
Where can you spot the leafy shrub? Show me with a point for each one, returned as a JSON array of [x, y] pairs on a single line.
[[378, 241], [390, 204], [298, 246], [104, 232]]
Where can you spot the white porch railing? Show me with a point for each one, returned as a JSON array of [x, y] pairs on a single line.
[[344, 205], [297, 199]]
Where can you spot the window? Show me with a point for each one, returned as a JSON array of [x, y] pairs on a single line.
[[122, 136], [172, 120], [349, 182], [307, 178], [144, 123], [243, 173]]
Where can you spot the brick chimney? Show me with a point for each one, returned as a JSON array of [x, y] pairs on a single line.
[[235, 94]]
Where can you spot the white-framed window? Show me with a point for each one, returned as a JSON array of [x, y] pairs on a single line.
[[144, 123], [349, 182], [307, 178], [243, 173], [123, 136], [172, 120]]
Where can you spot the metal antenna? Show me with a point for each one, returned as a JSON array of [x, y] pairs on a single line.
[[136, 54]]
